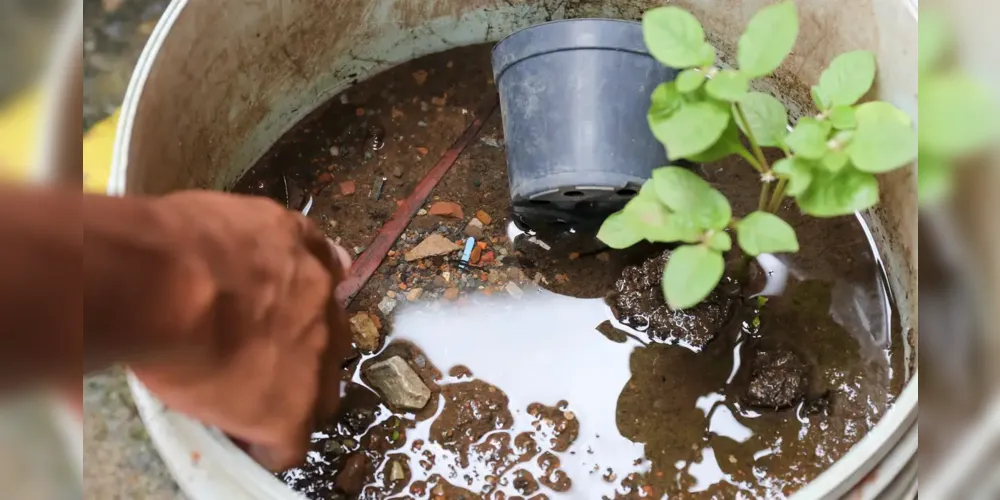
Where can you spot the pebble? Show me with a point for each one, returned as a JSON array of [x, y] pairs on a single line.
[[420, 76], [358, 250], [494, 276], [396, 472], [514, 274], [399, 384], [474, 228], [451, 293], [424, 106], [433, 245], [446, 275], [440, 101], [334, 150], [344, 99], [364, 332], [347, 188], [446, 209], [514, 290], [386, 305], [476, 256], [397, 171], [604, 257], [421, 123], [483, 217], [414, 294], [440, 282], [492, 141], [488, 258]]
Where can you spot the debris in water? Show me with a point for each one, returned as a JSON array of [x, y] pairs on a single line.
[[514, 290], [397, 171], [399, 384], [474, 229], [432, 246], [396, 472], [446, 209], [364, 331]]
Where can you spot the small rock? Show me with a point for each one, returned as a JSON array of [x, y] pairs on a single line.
[[364, 332], [333, 447], [334, 150], [344, 99], [421, 150], [351, 479], [514, 274], [451, 293], [347, 188], [574, 255], [539, 278], [483, 217], [397, 114], [358, 250], [414, 294], [440, 101], [386, 305], [440, 282], [421, 123], [474, 228], [477, 254], [391, 294], [446, 275], [604, 257], [420, 76], [324, 178], [399, 384], [446, 209], [514, 290], [422, 212], [433, 245], [488, 258], [397, 171], [492, 141], [396, 471], [424, 106], [494, 276]]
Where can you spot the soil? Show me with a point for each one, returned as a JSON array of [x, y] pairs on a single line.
[[555, 367]]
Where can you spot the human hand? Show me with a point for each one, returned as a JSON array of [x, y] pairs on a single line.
[[262, 362]]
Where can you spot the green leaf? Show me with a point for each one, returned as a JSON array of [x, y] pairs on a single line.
[[675, 38], [958, 115], [763, 232], [818, 99], [728, 144], [691, 273], [683, 192], [692, 129], [842, 118], [766, 117], [769, 38], [690, 80], [664, 101], [728, 85], [617, 233], [798, 172], [720, 241], [843, 193], [647, 217], [935, 178], [808, 138], [848, 78], [885, 139], [934, 39], [834, 161]]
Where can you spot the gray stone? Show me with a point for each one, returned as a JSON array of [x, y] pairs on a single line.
[[396, 472], [386, 305], [474, 228], [514, 290], [398, 384]]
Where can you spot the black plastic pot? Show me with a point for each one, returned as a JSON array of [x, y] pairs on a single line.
[[574, 96]]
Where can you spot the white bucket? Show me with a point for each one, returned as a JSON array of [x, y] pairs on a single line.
[[220, 81]]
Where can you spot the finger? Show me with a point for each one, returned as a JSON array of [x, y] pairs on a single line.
[[279, 458], [341, 255]]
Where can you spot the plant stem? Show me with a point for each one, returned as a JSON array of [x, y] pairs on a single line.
[[742, 151], [765, 189], [779, 194], [753, 141]]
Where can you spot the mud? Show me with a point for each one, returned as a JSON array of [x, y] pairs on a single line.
[[555, 368]]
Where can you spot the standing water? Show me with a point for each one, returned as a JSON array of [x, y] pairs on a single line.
[[554, 369]]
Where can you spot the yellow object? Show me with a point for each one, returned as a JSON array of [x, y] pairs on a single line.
[[19, 122], [19, 127]]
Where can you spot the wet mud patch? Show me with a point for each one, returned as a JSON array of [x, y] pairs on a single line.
[[548, 366]]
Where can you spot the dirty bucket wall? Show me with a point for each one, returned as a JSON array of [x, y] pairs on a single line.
[[221, 81]]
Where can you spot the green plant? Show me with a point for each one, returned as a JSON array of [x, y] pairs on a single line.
[[708, 113]]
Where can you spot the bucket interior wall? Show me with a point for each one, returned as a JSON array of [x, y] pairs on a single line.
[[229, 78]]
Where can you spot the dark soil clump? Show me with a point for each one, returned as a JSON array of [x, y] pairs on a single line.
[[638, 302], [778, 379]]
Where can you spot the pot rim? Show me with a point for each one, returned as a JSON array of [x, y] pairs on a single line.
[[209, 465]]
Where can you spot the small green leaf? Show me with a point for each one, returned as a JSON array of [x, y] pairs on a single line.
[[958, 115], [647, 217], [808, 138], [763, 232], [728, 144], [848, 78], [616, 232], [843, 193], [675, 38], [692, 129], [769, 38], [935, 178], [834, 161], [934, 39], [664, 101], [690, 80], [684, 193], [798, 172], [766, 117], [395, 435], [728, 85], [719, 241], [842, 118], [884, 140], [691, 273], [818, 99]]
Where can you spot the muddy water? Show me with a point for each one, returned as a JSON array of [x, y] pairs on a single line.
[[549, 395]]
